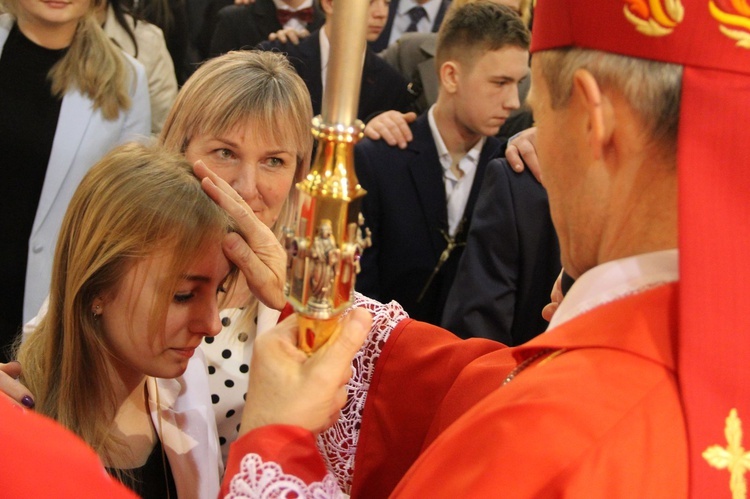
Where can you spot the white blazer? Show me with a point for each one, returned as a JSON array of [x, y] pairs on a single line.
[[188, 430], [153, 54], [82, 137]]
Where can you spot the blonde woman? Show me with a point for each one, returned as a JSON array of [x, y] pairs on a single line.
[[243, 118], [138, 274], [145, 42], [68, 96], [246, 115]]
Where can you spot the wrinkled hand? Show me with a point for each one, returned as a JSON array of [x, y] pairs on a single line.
[[391, 126], [522, 148], [556, 297], [256, 252], [13, 388], [288, 387], [291, 35]]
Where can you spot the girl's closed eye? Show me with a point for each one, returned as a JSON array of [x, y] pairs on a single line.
[[183, 297]]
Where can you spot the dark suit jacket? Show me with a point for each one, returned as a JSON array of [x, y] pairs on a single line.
[[405, 208], [245, 26], [511, 261], [382, 87], [382, 42]]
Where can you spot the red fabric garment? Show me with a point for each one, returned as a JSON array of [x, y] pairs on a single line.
[[714, 237], [423, 363], [602, 419], [42, 459], [437, 416], [711, 39]]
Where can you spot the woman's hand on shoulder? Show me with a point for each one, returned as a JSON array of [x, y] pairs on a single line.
[[10, 386], [391, 126], [289, 35], [522, 150]]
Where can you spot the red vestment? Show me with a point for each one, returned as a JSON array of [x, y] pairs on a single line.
[[43, 459], [601, 419]]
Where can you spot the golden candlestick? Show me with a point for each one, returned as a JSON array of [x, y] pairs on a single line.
[[324, 250]]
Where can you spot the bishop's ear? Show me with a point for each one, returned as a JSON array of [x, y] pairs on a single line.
[[597, 108]]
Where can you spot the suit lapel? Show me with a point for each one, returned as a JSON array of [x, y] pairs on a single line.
[[309, 50], [75, 112], [427, 175], [265, 16], [6, 23], [319, 18], [429, 45], [490, 151], [429, 80], [440, 15], [370, 71]]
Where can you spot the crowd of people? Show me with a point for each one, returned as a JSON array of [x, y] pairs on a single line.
[[152, 157]]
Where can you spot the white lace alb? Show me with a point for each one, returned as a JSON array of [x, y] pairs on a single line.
[[338, 444], [258, 479]]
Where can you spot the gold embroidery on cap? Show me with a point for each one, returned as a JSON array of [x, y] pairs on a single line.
[[735, 25], [654, 17], [732, 458]]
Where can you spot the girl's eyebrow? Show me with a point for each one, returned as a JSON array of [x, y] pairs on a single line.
[[195, 278]]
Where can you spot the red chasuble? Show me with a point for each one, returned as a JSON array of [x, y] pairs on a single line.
[[449, 429]]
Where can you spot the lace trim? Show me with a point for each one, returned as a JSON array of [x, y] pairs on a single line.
[[338, 444], [258, 479]]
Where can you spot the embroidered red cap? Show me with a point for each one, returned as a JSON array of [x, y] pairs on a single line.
[[711, 39]]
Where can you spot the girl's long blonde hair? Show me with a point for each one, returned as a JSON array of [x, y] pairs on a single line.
[[136, 201], [92, 65]]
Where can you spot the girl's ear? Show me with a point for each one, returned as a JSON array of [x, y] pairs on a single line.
[[97, 306]]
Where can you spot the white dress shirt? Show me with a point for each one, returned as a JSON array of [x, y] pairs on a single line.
[[457, 190], [616, 279], [401, 20]]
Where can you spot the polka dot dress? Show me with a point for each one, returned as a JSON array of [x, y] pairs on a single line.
[[228, 358]]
